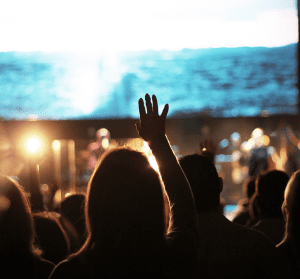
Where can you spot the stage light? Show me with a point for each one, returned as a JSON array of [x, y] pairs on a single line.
[[105, 143], [235, 137], [271, 150], [224, 143], [103, 132], [250, 144], [44, 188], [236, 155], [244, 146], [55, 145], [257, 133], [265, 140], [33, 145]]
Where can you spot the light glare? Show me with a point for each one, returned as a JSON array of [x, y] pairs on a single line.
[[33, 145]]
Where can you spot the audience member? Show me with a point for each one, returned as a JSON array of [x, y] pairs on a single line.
[[243, 216], [72, 209], [19, 257], [226, 249], [127, 233], [51, 237], [290, 245], [270, 188]]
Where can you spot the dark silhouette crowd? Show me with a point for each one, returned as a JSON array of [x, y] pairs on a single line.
[[136, 222]]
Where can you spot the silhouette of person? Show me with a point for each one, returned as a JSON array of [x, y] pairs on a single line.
[[19, 256], [226, 249], [125, 213], [290, 245]]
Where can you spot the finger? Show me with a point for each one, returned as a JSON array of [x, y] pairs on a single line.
[[165, 112], [142, 109], [138, 126], [148, 103], [155, 105]]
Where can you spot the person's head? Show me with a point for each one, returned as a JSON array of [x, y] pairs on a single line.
[[124, 200], [249, 187], [291, 206], [205, 183], [270, 188], [16, 222], [72, 208], [51, 237], [102, 134]]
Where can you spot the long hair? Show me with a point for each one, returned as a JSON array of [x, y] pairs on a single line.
[[292, 207], [125, 212], [17, 232]]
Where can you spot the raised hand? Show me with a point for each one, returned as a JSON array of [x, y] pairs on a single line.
[[151, 124]]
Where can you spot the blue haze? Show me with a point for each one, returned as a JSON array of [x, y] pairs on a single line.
[[223, 82]]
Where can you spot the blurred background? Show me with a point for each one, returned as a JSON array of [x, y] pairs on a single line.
[[227, 68]]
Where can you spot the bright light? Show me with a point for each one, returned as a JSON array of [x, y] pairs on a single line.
[[72, 25], [271, 150], [236, 155], [33, 145], [55, 145], [250, 144], [265, 140], [257, 133], [103, 132], [105, 143], [224, 143], [235, 137], [153, 163], [44, 188]]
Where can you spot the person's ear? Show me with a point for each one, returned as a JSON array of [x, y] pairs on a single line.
[[221, 184]]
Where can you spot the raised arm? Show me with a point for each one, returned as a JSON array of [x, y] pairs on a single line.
[[151, 128]]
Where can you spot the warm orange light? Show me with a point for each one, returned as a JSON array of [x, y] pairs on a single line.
[[55, 145], [153, 163], [33, 145], [105, 143], [257, 133], [265, 140]]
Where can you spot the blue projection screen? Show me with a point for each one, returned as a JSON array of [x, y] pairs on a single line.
[[230, 75]]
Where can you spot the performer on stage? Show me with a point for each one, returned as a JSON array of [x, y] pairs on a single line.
[[97, 148]]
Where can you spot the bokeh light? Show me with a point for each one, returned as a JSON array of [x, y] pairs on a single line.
[[153, 163], [265, 140], [235, 137], [257, 133], [224, 143], [105, 143], [56, 145], [33, 145]]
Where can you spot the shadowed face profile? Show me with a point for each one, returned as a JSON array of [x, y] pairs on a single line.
[[290, 206]]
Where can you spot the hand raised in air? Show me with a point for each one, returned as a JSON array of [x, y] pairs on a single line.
[[151, 124]]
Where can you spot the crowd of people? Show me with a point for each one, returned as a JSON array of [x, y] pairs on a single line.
[[135, 222]]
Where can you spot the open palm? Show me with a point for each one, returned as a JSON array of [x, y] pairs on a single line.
[[151, 124]]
